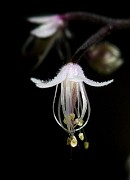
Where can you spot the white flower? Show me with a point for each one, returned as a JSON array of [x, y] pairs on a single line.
[[73, 101], [50, 29], [49, 25]]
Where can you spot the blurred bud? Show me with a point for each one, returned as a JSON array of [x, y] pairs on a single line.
[[86, 145], [105, 58]]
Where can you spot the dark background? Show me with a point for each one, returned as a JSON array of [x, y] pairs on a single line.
[[35, 143]]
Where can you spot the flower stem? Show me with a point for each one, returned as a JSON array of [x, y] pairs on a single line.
[[108, 26], [95, 18], [97, 37]]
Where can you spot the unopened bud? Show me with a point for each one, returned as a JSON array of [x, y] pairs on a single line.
[[104, 58]]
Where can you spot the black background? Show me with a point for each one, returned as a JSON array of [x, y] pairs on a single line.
[[35, 144]]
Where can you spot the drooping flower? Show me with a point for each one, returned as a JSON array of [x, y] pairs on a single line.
[[50, 29], [73, 100], [48, 25]]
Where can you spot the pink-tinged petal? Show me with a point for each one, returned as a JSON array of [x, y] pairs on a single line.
[[42, 19], [45, 30], [96, 84], [75, 72]]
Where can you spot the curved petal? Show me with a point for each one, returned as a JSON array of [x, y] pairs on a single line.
[[84, 99], [46, 84], [59, 122], [45, 30], [41, 19], [96, 84]]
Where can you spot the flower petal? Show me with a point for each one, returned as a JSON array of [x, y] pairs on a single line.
[[42, 19], [45, 30], [61, 76], [58, 120], [96, 84], [84, 99]]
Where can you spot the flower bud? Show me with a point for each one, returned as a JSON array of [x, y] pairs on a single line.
[[104, 58]]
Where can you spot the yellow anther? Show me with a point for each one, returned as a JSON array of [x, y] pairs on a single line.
[[68, 140], [65, 121], [81, 136], [73, 141], [79, 122], [72, 116], [86, 145]]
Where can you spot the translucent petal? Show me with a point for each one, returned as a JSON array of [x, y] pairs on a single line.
[[45, 30], [46, 84], [57, 120], [36, 81], [61, 76], [84, 100], [96, 84], [63, 97], [41, 19], [83, 110]]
